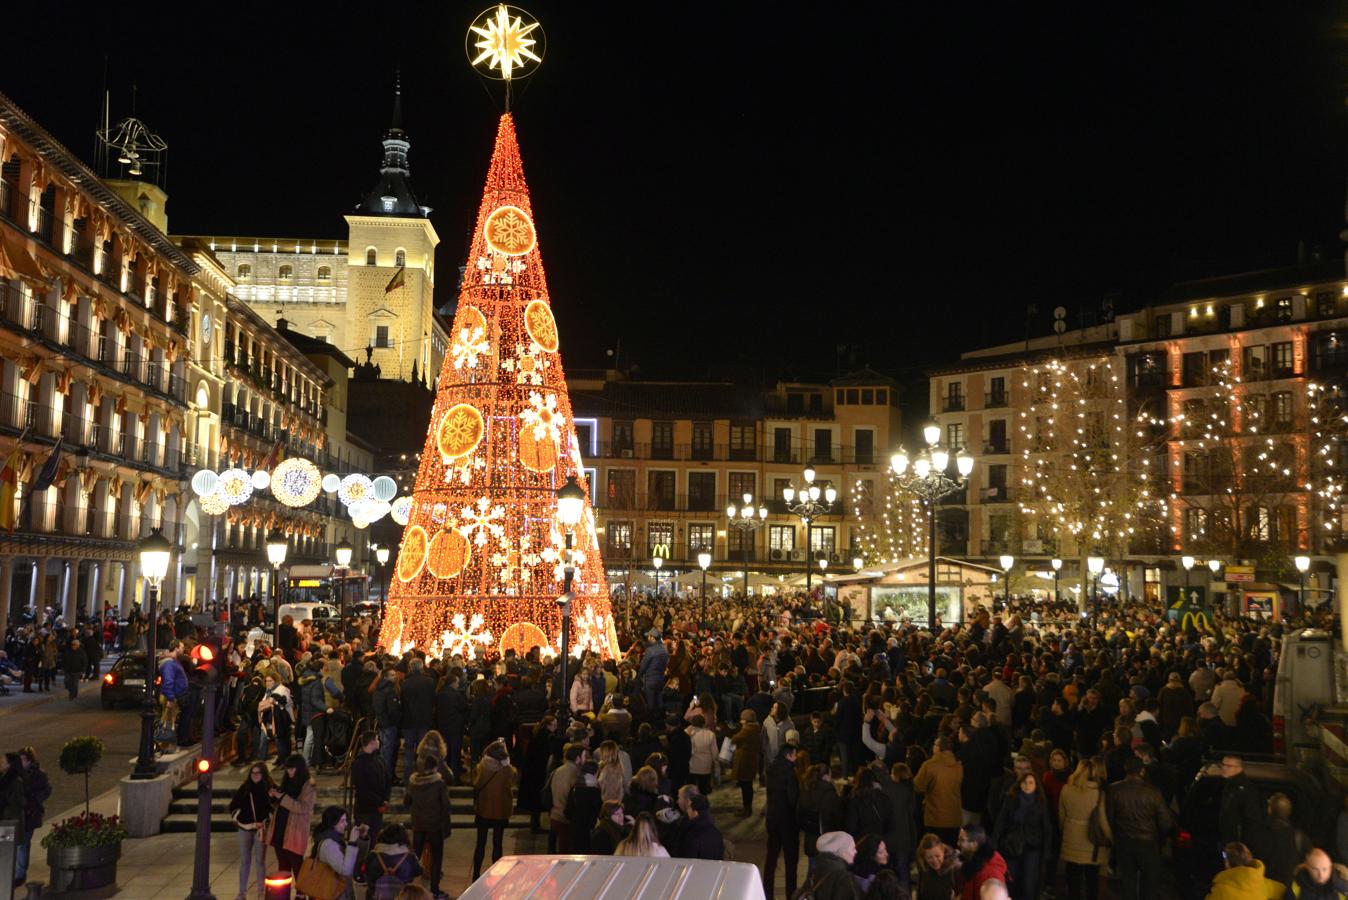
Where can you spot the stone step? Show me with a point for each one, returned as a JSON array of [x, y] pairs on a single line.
[[182, 822]]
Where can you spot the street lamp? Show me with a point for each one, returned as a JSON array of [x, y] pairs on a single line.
[[1057, 571], [381, 555], [570, 507], [277, 545], [1303, 564], [926, 478], [1096, 565], [1007, 561], [658, 562], [341, 553], [1214, 565], [746, 519], [1188, 563], [155, 550], [810, 502], [703, 560]]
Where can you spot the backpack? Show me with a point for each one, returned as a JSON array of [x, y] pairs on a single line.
[[388, 885]]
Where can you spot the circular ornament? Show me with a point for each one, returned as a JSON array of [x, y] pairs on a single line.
[[355, 487], [537, 454], [214, 503], [296, 482], [385, 488], [369, 510], [473, 318], [523, 637], [448, 554], [261, 480], [236, 485], [540, 324], [401, 510], [205, 482], [460, 431], [509, 230], [331, 482], [412, 555]]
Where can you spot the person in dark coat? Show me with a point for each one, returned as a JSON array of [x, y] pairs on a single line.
[[11, 791], [977, 752], [780, 820], [583, 807], [1278, 843], [451, 718], [428, 798], [534, 772], [370, 783], [612, 828], [1240, 811], [819, 810], [36, 792], [417, 697], [902, 834], [868, 809], [388, 714], [680, 753], [700, 839], [1024, 836], [847, 721], [73, 663]]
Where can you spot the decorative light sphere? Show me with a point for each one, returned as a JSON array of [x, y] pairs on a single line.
[[370, 509], [261, 480], [236, 485], [331, 482], [296, 482], [214, 503], [355, 487], [401, 510], [385, 488], [205, 482], [359, 523]]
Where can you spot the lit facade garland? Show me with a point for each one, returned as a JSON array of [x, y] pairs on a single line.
[[491, 470]]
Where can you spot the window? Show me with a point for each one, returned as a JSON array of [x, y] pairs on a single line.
[[1259, 523], [1282, 409], [742, 441], [954, 396], [822, 539], [622, 437], [1195, 369], [285, 273], [388, 203], [619, 536], [779, 486], [381, 338], [740, 543], [1254, 363], [1195, 524], [954, 437], [865, 447], [738, 484], [823, 446], [781, 445], [701, 536], [702, 491], [816, 404], [245, 271], [400, 258], [662, 440], [1282, 359], [782, 537], [1326, 303], [795, 404], [660, 539], [702, 440], [1284, 309], [882, 396], [838, 396], [324, 273], [997, 437], [371, 257], [1256, 412], [853, 396], [584, 437], [622, 488], [867, 396], [996, 489], [660, 487]]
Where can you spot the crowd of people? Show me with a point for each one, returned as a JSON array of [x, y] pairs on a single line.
[[1029, 750]]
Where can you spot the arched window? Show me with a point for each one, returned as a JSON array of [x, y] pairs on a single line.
[[285, 273], [400, 258], [324, 273], [371, 257], [245, 270]]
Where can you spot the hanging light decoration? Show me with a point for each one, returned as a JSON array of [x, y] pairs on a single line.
[[261, 480], [331, 482], [296, 482], [385, 488], [236, 485], [355, 487], [401, 510], [205, 482], [370, 510], [214, 503]]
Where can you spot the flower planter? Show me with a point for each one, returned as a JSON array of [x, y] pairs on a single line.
[[83, 868]]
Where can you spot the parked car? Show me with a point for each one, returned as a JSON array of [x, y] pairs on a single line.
[[1198, 850], [125, 681]]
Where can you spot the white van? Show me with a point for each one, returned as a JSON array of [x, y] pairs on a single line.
[[616, 878], [1312, 679], [303, 612]]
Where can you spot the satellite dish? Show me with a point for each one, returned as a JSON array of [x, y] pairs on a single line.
[[1059, 326], [1060, 313]]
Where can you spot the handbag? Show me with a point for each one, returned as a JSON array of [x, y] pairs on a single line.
[[727, 754], [318, 879], [1097, 826]]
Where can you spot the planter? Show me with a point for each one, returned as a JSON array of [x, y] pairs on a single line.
[[83, 868]]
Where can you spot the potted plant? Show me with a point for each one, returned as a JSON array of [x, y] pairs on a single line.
[[82, 851]]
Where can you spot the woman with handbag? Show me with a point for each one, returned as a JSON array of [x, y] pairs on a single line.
[[1084, 829], [746, 760], [251, 808], [288, 832], [326, 874], [493, 801]]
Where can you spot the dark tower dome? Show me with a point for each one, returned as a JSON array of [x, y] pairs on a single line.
[[392, 193]]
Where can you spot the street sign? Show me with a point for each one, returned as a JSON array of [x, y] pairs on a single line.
[[1240, 573]]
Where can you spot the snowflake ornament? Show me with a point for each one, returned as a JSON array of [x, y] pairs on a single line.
[[465, 636], [529, 364], [461, 470], [542, 416], [468, 345], [497, 268], [482, 521]]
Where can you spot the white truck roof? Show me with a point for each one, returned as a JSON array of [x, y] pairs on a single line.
[[616, 878]]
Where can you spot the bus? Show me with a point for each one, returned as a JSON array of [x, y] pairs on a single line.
[[341, 589]]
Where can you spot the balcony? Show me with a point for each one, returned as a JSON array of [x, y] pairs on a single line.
[[998, 547], [996, 494], [953, 403], [996, 448], [995, 400]]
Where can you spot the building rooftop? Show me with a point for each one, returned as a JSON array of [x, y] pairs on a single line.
[[1285, 278]]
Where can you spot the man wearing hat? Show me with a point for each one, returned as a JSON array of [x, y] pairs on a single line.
[[654, 660]]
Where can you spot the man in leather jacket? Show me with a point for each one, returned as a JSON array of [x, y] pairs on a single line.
[[1139, 819]]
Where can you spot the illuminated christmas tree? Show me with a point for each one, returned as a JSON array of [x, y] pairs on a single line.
[[482, 557], [893, 523]]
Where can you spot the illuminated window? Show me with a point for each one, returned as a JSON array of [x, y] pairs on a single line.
[[324, 273], [400, 258], [245, 271], [381, 337], [701, 537], [822, 540], [782, 537], [371, 258], [285, 273], [619, 535]]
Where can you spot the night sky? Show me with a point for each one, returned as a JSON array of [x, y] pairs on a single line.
[[789, 188]]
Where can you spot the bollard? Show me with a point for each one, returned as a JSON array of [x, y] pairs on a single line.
[[278, 885]]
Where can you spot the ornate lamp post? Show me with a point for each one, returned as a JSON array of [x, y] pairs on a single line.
[[1096, 565], [381, 556], [703, 560], [746, 519], [807, 504], [570, 507], [1057, 571], [342, 555], [277, 547], [930, 482], [1303, 564], [1007, 561], [155, 550]]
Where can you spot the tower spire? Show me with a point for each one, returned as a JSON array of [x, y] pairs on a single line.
[[392, 194]]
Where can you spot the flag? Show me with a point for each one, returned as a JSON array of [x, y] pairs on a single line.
[[9, 484], [398, 280], [273, 458], [46, 476]]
